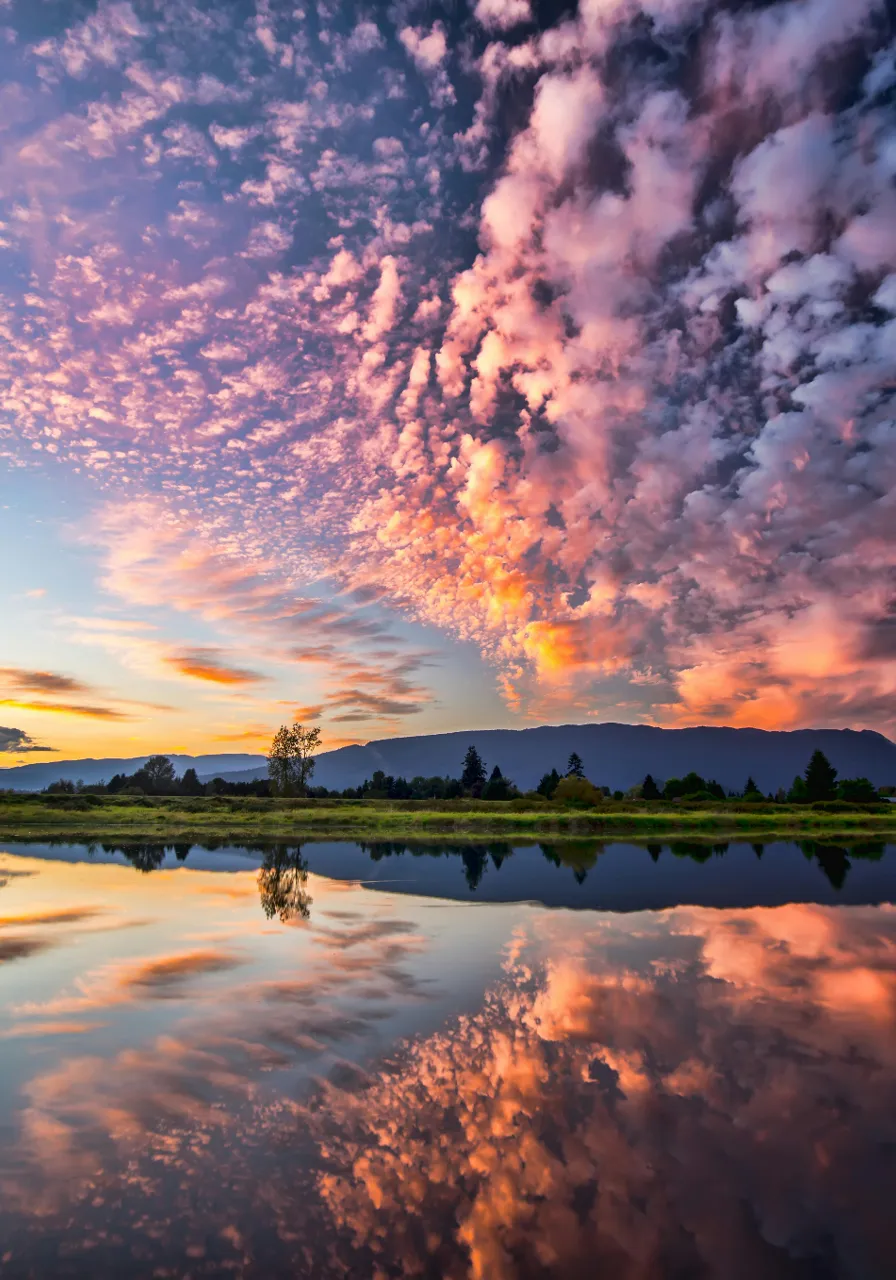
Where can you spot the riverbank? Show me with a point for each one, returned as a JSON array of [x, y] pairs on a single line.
[[179, 818]]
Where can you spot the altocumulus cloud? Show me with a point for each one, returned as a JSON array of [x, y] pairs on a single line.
[[574, 339]]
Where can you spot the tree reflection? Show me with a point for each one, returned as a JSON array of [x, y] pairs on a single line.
[[282, 882], [143, 857], [833, 860], [475, 860]]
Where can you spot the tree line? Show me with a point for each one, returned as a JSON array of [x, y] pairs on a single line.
[[291, 764], [158, 777]]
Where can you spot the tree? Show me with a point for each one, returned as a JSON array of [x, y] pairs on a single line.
[[549, 784], [649, 789], [291, 759], [821, 778], [751, 791], [159, 774], [798, 793], [498, 787], [473, 776], [578, 791], [574, 766], [190, 784], [857, 791]]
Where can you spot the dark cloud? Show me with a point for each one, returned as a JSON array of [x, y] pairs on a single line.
[[26, 681], [17, 741]]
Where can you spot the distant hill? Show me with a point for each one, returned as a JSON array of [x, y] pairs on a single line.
[[616, 755], [34, 777]]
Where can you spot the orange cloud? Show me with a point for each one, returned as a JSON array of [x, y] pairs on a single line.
[[67, 709], [206, 664]]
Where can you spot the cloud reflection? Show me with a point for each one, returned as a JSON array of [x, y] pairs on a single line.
[[693, 1092]]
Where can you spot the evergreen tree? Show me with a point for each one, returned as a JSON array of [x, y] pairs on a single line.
[[574, 766], [498, 787], [549, 784], [473, 777], [190, 784], [798, 793], [821, 778], [649, 789], [751, 789]]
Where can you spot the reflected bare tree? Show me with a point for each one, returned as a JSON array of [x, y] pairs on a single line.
[[282, 882]]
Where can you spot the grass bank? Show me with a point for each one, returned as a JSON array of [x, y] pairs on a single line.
[[247, 818]]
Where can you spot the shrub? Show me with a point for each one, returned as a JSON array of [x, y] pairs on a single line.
[[577, 791]]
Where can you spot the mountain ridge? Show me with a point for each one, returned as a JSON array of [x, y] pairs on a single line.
[[614, 755]]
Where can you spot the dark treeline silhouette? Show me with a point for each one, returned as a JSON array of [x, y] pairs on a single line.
[[818, 784], [158, 778]]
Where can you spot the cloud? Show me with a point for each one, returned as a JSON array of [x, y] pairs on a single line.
[[624, 1097], [17, 741], [503, 14], [40, 681], [582, 355], [428, 49], [66, 709], [20, 948], [158, 978], [207, 664]]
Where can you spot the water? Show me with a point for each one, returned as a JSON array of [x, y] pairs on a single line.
[[569, 1061]]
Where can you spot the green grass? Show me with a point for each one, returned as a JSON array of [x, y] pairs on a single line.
[[99, 817]]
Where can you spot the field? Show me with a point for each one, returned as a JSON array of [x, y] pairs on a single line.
[[89, 817]]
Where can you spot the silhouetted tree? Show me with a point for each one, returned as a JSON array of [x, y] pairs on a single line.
[[190, 784], [574, 766], [857, 791], [159, 774], [649, 789], [820, 778], [798, 793], [751, 789], [473, 777], [291, 759], [548, 785], [690, 785], [498, 787]]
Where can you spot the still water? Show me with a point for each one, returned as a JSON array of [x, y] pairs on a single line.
[[549, 1061]]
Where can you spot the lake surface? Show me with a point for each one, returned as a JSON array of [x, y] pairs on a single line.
[[483, 1061]]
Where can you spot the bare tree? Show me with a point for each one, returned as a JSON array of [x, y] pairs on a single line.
[[291, 759]]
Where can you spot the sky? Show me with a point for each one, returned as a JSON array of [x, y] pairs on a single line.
[[414, 367]]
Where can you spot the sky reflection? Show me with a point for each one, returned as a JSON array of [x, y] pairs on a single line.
[[397, 1086]]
